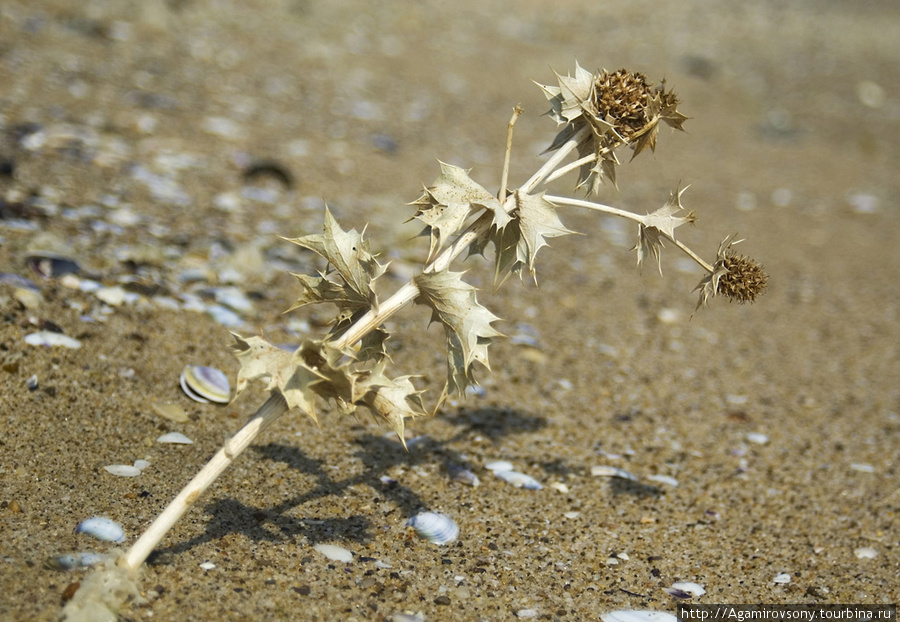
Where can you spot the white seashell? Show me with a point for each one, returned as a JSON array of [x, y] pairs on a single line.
[[634, 615], [141, 464], [49, 338], [862, 467], [408, 617], [663, 479], [176, 438], [526, 613], [866, 552], [122, 470], [560, 487], [437, 528], [499, 465], [685, 589], [334, 552], [519, 480], [113, 296], [207, 565], [102, 528], [205, 384], [757, 437], [71, 561], [461, 474], [782, 578], [611, 471]]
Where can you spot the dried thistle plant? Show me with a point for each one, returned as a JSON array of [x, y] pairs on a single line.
[[601, 114]]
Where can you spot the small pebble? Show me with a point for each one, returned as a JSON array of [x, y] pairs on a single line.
[[172, 412], [499, 465], [782, 578]]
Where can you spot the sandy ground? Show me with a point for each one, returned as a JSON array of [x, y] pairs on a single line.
[[128, 130]]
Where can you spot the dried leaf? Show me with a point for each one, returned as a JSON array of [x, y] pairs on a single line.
[[449, 201], [392, 399], [261, 360], [318, 289], [658, 225], [348, 253], [537, 220], [468, 324]]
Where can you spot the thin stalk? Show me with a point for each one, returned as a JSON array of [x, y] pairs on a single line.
[[606, 209], [271, 410], [504, 177], [551, 164]]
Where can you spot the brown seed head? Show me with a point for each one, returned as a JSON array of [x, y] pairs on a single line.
[[743, 279], [622, 98]]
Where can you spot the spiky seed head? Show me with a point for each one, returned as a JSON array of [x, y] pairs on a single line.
[[734, 276], [743, 280]]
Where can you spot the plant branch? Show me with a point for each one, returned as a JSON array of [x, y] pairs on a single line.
[[271, 410]]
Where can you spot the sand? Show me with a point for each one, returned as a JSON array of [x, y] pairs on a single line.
[[164, 147]]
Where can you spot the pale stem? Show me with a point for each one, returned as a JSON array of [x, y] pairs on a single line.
[[551, 164], [606, 209], [562, 170], [504, 177], [271, 410]]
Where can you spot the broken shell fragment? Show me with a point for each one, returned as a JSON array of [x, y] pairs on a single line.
[[437, 528], [335, 553], [174, 438], [519, 480], [205, 384], [102, 528], [71, 561]]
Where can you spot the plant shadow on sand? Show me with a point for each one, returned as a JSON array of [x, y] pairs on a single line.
[[377, 454]]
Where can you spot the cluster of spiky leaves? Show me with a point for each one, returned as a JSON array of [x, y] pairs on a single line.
[[348, 365], [620, 108]]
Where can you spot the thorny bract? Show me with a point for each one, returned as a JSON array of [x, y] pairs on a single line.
[[600, 114]]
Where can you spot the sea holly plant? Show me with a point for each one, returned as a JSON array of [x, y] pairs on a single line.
[[600, 116]]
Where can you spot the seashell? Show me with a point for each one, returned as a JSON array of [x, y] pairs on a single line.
[[499, 465], [634, 615], [123, 470], [610, 471], [782, 578], [51, 265], [207, 565], [519, 480], [205, 384], [172, 412], [685, 589], [175, 438], [461, 474], [50, 338], [141, 464], [757, 437], [437, 528], [663, 479], [866, 552], [102, 528], [71, 561], [334, 552]]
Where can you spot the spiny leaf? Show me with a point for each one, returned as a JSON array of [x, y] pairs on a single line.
[[567, 98], [537, 221], [468, 324], [348, 253], [449, 201], [318, 289], [261, 360], [312, 370], [658, 225], [392, 399]]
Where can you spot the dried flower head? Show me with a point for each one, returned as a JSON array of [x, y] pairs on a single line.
[[620, 108], [735, 276]]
